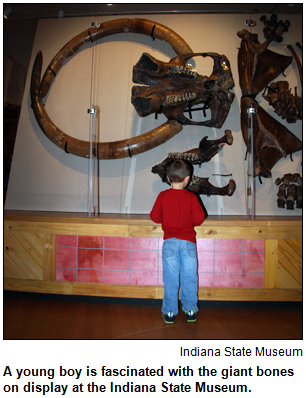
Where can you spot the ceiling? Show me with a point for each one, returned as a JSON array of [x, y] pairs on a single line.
[[21, 11]]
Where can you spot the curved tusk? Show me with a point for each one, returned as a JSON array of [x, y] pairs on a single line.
[[141, 26], [106, 150]]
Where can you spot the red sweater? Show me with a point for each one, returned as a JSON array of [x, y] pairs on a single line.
[[178, 211]]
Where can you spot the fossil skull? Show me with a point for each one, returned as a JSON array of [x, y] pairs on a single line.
[[173, 88]]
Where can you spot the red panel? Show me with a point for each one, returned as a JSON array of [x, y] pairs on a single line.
[[117, 242], [253, 280], [65, 275], [144, 260], [144, 243], [66, 240], [228, 262], [90, 258], [88, 275], [117, 259], [117, 277], [206, 261], [228, 245], [227, 280], [205, 244], [253, 262], [89, 242], [65, 257], [206, 280], [144, 278], [253, 245]]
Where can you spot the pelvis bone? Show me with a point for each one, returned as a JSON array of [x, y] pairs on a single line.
[[272, 140], [173, 88], [258, 66], [207, 149]]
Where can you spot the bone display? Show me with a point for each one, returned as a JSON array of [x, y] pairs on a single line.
[[207, 149], [105, 150], [274, 29], [285, 104], [258, 66], [272, 140], [172, 88], [290, 191]]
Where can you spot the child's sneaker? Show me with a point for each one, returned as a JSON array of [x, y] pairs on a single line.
[[191, 315], [169, 317]]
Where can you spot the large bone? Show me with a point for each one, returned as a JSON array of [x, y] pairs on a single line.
[[285, 104], [141, 26], [257, 65], [272, 140], [207, 149], [107, 150], [172, 88]]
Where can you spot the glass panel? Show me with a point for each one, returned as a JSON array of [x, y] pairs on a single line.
[[250, 194], [93, 169], [93, 173]]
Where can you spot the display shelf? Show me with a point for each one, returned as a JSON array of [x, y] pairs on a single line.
[[30, 247]]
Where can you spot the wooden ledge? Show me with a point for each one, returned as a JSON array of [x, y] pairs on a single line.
[[140, 225], [144, 219]]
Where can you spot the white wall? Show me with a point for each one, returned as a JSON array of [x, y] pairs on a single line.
[[45, 178]]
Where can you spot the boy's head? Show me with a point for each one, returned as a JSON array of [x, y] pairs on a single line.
[[178, 170]]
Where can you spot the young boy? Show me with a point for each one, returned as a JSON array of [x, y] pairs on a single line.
[[179, 210]]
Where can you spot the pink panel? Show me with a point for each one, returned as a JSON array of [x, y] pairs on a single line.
[[66, 240], [228, 245], [227, 280], [117, 242], [65, 257], [93, 276], [160, 262], [206, 280], [144, 243], [144, 278], [160, 243], [228, 262], [117, 259], [90, 258], [90, 242], [253, 245], [253, 280], [253, 262], [144, 260], [206, 261], [65, 275], [117, 277], [205, 244], [160, 279]]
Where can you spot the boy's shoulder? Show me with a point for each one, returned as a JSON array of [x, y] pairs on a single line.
[[171, 191]]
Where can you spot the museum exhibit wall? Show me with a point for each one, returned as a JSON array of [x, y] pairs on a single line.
[[45, 178]]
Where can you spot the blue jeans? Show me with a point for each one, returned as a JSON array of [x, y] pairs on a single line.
[[180, 267]]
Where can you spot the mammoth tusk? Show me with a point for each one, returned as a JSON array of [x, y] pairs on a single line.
[[105, 150], [141, 26]]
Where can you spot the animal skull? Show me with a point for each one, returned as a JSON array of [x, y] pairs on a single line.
[[173, 88]]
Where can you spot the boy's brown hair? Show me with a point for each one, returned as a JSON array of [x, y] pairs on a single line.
[[179, 169]]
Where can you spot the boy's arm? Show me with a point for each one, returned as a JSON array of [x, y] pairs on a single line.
[[197, 212], [156, 212]]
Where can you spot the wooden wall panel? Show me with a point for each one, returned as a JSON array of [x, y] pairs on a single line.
[[23, 256], [289, 264], [30, 241]]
